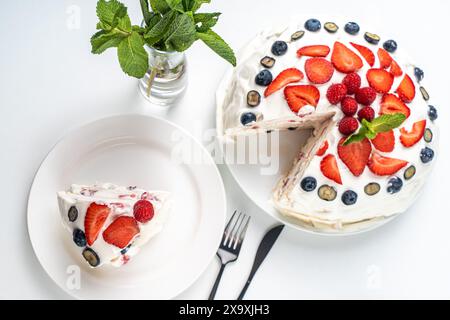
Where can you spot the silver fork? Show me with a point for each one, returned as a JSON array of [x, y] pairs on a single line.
[[231, 244]]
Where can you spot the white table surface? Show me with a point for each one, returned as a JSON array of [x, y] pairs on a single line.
[[50, 83]]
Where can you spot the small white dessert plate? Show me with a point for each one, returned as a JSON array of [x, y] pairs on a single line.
[[151, 153]]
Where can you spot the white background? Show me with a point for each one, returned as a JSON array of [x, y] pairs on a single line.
[[50, 83]]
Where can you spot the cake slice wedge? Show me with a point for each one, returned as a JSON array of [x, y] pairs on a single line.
[[109, 223]]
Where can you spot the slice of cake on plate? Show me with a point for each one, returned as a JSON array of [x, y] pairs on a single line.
[[109, 223], [374, 134]]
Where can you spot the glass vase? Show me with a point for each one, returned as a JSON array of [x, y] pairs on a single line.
[[166, 79]]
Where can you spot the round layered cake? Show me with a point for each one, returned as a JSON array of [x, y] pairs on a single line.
[[373, 127]]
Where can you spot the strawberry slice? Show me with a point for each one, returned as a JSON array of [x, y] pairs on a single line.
[[410, 138], [365, 52], [121, 231], [319, 70], [344, 59], [283, 79], [384, 141], [391, 104], [313, 51], [385, 58], [96, 216], [384, 166], [299, 96], [395, 70], [406, 90], [380, 80], [330, 169], [355, 155], [322, 149]]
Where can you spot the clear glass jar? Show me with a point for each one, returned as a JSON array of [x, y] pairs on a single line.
[[166, 79]]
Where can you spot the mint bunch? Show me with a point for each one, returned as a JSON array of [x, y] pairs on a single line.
[[170, 25], [369, 130]]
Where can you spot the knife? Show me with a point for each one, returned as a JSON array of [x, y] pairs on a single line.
[[264, 247]]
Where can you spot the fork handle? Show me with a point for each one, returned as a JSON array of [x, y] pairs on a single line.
[[216, 284]]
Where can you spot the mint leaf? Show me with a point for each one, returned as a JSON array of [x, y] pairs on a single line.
[[159, 6], [103, 40], [109, 13], [159, 30], [181, 34], [218, 45], [386, 122], [357, 137], [176, 5], [132, 56], [196, 4], [145, 11], [124, 24], [205, 21]]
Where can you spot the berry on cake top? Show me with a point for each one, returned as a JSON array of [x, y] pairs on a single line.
[[375, 130]]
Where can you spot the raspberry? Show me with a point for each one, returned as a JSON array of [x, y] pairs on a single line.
[[353, 82], [349, 106], [366, 96], [366, 113], [336, 92], [348, 125], [143, 211]]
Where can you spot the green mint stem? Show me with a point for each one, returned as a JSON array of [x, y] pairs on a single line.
[[151, 78]]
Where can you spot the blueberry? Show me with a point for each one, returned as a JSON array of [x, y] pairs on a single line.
[[72, 214], [424, 93], [349, 197], [279, 48], [426, 155], [267, 62], [309, 184], [125, 250], [432, 113], [91, 257], [79, 238], [390, 46], [372, 188], [327, 193], [297, 35], [351, 28], [428, 135], [410, 172], [253, 98], [419, 74], [313, 25], [394, 185], [331, 27], [372, 38], [248, 117], [264, 78]]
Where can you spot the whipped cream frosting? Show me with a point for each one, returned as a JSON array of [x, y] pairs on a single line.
[[121, 201], [231, 100]]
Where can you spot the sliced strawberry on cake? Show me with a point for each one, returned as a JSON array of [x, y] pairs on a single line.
[[366, 53], [385, 58], [355, 155], [406, 90], [384, 166], [299, 96], [391, 104], [380, 80], [318, 70], [410, 138], [283, 79], [323, 148], [396, 70], [313, 51], [344, 59], [329, 168], [96, 216], [121, 231], [384, 141]]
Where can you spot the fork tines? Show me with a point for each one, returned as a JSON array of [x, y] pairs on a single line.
[[235, 232]]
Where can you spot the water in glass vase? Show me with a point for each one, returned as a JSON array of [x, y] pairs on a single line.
[[166, 80]]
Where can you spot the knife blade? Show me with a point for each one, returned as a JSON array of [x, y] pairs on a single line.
[[266, 244]]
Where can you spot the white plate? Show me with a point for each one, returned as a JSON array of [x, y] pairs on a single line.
[[131, 150]]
